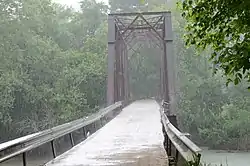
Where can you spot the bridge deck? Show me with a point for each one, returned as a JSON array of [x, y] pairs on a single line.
[[134, 137]]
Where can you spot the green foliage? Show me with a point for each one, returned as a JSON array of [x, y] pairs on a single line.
[[145, 73], [214, 114], [52, 69], [223, 26]]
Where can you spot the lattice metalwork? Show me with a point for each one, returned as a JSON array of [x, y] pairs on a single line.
[[125, 31]]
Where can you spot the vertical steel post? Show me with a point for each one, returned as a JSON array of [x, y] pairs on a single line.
[[126, 75], [122, 70], [165, 85], [116, 70], [102, 121], [162, 78], [168, 65], [119, 69], [94, 126], [165, 141], [176, 157], [24, 159], [169, 147], [111, 60], [71, 139], [53, 148], [84, 133]]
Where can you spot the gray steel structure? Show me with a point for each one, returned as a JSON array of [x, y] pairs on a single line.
[[123, 28]]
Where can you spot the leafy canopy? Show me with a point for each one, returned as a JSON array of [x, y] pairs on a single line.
[[225, 27], [52, 66]]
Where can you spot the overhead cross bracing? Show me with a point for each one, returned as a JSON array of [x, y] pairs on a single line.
[[135, 27], [132, 31]]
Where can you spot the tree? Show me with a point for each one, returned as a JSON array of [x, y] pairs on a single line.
[[211, 112], [145, 72], [52, 71], [225, 27]]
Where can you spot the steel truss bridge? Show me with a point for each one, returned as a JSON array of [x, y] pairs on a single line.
[[125, 132]]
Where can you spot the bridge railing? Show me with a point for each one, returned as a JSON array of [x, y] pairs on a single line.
[[182, 145], [25, 144]]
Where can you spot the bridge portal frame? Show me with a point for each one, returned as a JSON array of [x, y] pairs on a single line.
[[122, 29]]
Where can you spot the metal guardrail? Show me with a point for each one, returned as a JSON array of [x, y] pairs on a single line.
[[24, 144], [183, 145]]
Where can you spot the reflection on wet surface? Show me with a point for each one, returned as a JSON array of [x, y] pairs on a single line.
[[148, 157], [133, 138]]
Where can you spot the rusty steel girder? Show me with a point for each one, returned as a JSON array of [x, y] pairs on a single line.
[[123, 30]]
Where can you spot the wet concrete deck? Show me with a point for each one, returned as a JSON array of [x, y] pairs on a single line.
[[133, 138]]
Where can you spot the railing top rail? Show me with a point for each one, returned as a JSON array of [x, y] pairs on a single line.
[[11, 143], [189, 150], [35, 140], [21, 140]]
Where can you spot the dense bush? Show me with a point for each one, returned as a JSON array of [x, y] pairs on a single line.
[[52, 64]]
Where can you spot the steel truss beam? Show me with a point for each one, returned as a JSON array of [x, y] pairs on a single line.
[[125, 31]]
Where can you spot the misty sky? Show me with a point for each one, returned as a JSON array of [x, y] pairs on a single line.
[[74, 3]]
